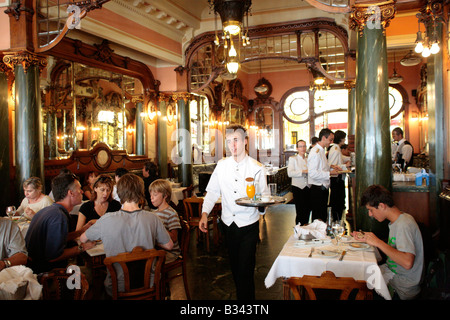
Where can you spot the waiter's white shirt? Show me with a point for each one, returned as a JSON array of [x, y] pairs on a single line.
[[335, 157], [405, 150], [318, 167], [295, 167], [228, 181]]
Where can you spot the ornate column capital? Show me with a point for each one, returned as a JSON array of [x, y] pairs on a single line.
[[24, 58], [350, 84], [181, 95], [372, 15], [137, 98]]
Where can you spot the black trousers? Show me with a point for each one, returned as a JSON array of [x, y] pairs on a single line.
[[319, 202], [241, 245], [337, 196], [302, 204]]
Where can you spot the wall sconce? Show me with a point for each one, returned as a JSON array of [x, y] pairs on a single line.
[[151, 112], [429, 44], [232, 14]]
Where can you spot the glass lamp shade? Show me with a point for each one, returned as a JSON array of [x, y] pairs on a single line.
[[426, 52], [435, 48], [233, 67], [395, 78], [232, 27], [419, 47], [319, 81], [263, 88], [410, 60]]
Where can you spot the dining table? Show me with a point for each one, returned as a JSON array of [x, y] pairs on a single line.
[[313, 257]]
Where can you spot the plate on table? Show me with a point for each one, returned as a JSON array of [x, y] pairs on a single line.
[[327, 253], [359, 246]]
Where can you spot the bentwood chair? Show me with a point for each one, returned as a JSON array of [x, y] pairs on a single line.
[[193, 213], [142, 273], [180, 262], [310, 287], [55, 285]]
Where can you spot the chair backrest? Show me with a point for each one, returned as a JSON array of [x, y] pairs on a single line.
[[55, 285], [328, 281], [187, 193], [184, 237], [192, 208], [141, 274]]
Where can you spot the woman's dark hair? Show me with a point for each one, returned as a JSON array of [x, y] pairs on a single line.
[[376, 194], [107, 181], [130, 188], [338, 136], [61, 184]]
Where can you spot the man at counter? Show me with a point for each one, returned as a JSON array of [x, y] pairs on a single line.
[[240, 224], [319, 175], [404, 151], [404, 249]]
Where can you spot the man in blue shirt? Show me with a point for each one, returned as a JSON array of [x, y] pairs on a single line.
[[48, 240]]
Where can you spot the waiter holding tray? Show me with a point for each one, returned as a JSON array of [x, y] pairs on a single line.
[[240, 223]]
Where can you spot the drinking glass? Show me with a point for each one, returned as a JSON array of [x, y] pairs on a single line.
[[338, 231], [273, 189], [250, 188], [11, 211]]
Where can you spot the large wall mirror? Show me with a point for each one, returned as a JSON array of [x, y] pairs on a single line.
[[84, 105], [264, 122]]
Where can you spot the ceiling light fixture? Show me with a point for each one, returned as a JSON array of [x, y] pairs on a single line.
[[429, 44], [234, 29], [395, 78], [410, 59]]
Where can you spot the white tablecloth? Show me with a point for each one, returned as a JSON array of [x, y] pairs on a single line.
[[177, 195], [293, 261]]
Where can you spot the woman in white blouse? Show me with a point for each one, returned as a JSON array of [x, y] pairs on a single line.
[[34, 199], [298, 171]]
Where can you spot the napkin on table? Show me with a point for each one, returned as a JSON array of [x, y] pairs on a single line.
[[318, 229], [10, 278]]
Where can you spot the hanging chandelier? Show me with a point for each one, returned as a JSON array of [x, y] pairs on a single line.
[[234, 29], [429, 43], [395, 78]]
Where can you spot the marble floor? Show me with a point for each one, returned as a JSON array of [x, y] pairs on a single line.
[[210, 275]]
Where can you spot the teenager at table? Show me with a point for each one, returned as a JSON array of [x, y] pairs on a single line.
[[123, 230], [240, 224], [404, 249]]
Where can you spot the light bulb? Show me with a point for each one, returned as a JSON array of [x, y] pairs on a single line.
[[233, 67], [419, 47], [435, 48], [232, 52], [426, 52]]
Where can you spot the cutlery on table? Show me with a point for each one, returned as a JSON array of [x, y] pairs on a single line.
[[342, 255], [310, 254]]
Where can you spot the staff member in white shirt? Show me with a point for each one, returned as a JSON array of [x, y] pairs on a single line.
[[404, 151], [337, 183], [240, 224], [319, 175], [298, 171]]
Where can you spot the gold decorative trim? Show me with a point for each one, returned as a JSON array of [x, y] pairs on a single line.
[[378, 14], [349, 84], [25, 59]]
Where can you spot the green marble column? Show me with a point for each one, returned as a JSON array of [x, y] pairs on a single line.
[[140, 126], [373, 162], [29, 139], [5, 190], [184, 143], [436, 132], [51, 135], [351, 110], [162, 140]]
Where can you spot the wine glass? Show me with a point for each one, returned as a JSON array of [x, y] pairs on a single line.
[[250, 187], [338, 231], [10, 211]]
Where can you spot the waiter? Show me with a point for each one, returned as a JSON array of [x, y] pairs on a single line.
[[337, 183], [404, 152], [240, 224], [319, 175]]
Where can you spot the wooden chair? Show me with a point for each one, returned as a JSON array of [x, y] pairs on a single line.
[[327, 281], [193, 213], [138, 267], [55, 287], [188, 192], [180, 262]]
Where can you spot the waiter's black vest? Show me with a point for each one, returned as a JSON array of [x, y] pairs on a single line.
[[400, 159]]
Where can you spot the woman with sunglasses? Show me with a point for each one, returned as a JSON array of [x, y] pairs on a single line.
[[100, 203]]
